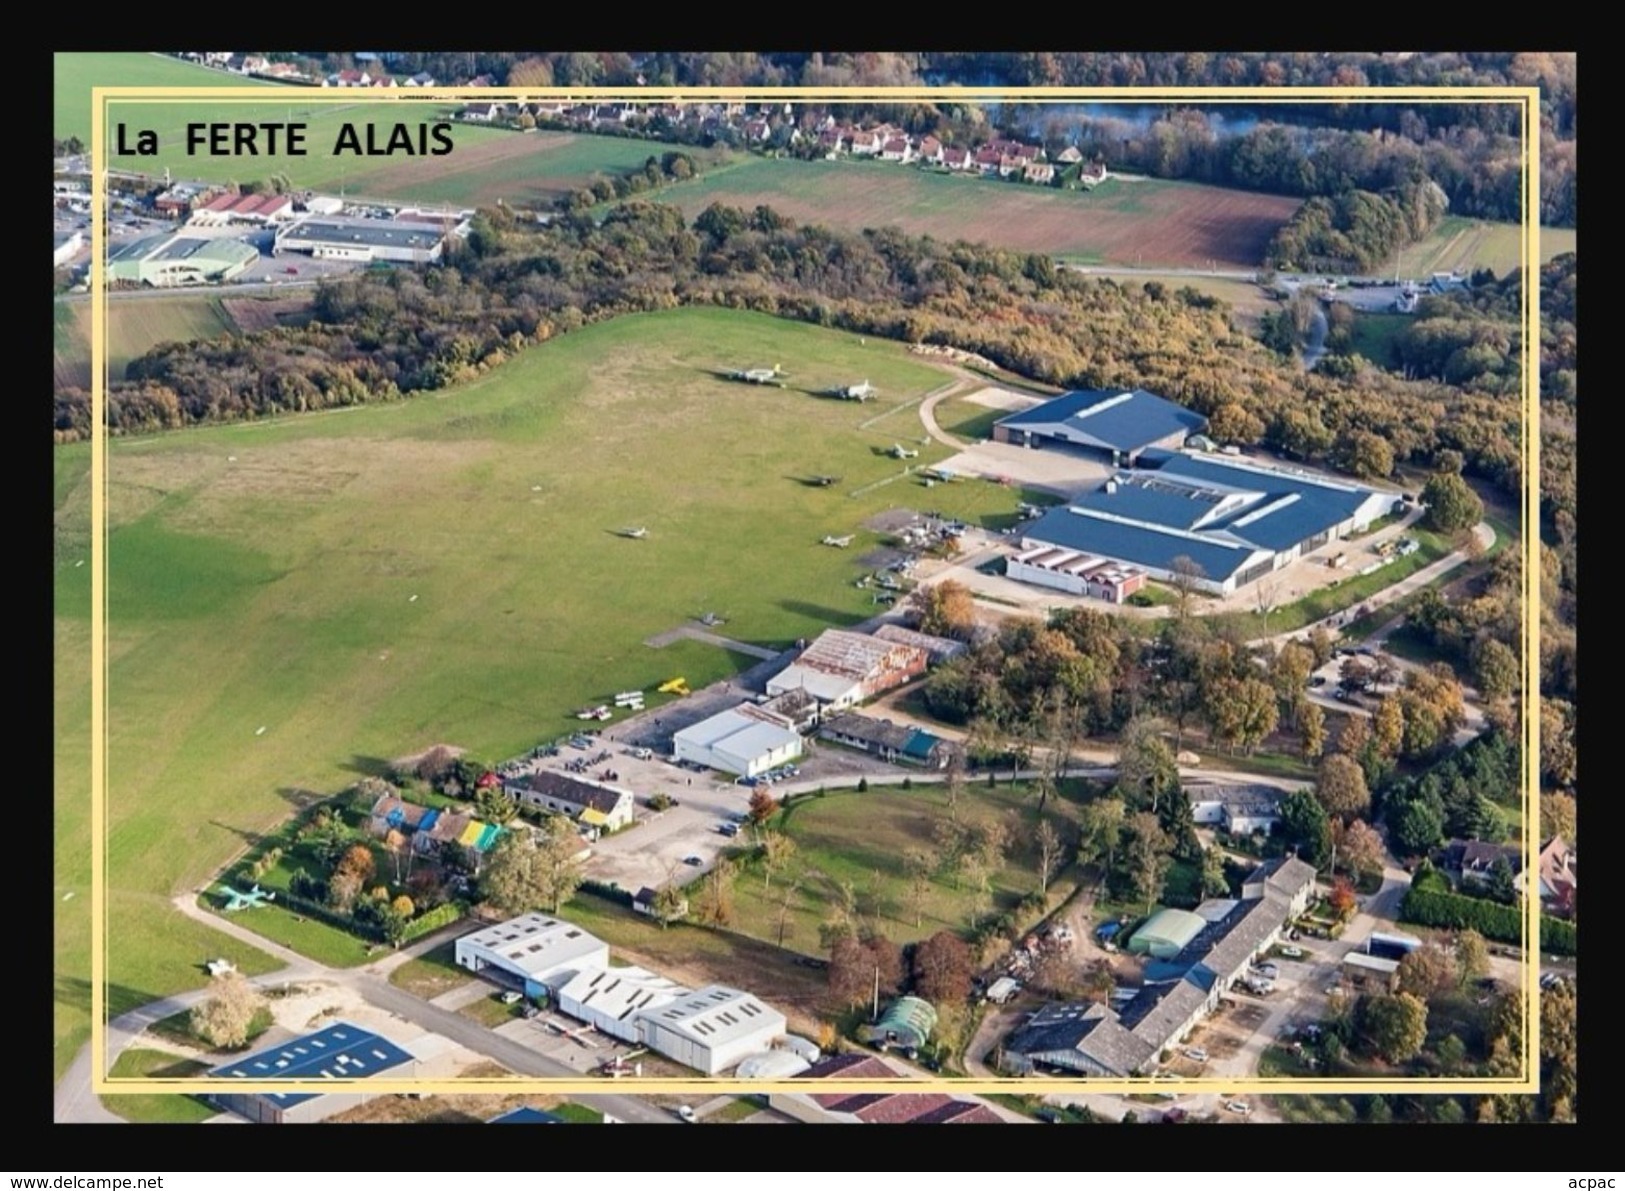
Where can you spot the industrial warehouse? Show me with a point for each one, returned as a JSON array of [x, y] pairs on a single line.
[[746, 740], [1217, 523], [338, 1051], [168, 259], [340, 238], [1195, 957], [1111, 422], [841, 668]]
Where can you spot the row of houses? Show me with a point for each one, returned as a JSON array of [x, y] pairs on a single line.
[[1201, 955]]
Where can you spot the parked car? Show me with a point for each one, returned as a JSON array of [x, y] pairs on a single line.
[[1267, 970], [1240, 1107], [686, 1113], [691, 858], [1196, 1054], [1292, 952], [512, 998], [1318, 680]]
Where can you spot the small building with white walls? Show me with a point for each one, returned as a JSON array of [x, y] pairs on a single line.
[[713, 1029], [534, 951], [745, 740]]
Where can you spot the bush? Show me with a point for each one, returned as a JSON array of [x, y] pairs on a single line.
[[433, 920], [863, 785], [1141, 600]]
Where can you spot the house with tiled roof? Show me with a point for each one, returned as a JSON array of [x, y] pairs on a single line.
[[593, 804], [1559, 869]]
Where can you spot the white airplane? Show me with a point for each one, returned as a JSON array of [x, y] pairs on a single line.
[[899, 451], [858, 392], [639, 532], [758, 376], [839, 543], [600, 712]]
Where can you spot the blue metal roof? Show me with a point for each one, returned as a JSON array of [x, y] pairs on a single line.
[[1307, 507], [1160, 506], [1141, 545], [341, 1051], [919, 744], [1128, 425], [527, 1116]]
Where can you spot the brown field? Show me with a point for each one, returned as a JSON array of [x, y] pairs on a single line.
[[1146, 223], [134, 327], [264, 314]]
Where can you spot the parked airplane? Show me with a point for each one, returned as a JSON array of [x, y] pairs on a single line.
[[237, 900], [639, 532], [839, 543], [825, 481], [759, 376], [859, 392], [899, 451]]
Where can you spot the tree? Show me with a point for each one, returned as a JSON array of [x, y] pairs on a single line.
[[1451, 505], [1055, 973], [1415, 826], [1495, 667], [399, 847], [1049, 856], [1306, 828], [777, 851], [1342, 899], [1185, 576], [849, 973], [945, 609], [495, 805], [1472, 958], [763, 806], [1341, 787], [716, 899], [1388, 727], [1214, 881], [953, 784], [1146, 769], [1102, 824], [1098, 980], [225, 1018], [1312, 729], [943, 967], [1395, 1027], [435, 764], [1361, 848], [918, 866], [1354, 735], [669, 904], [1557, 817], [1501, 883], [1242, 711], [529, 870], [1146, 856], [1289, 671], [1427, 971], [357, 859]]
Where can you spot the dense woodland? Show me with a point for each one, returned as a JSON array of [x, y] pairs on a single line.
[[1357, 231]]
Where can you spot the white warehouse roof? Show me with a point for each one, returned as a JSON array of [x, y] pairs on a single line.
[[716, 1015], [619, 993], [535, 943]]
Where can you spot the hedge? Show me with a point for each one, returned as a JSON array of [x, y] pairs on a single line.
[[613, 892], [442, 915], [1454, 911]]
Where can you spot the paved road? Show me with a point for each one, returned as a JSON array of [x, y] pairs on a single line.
[[223, 291]]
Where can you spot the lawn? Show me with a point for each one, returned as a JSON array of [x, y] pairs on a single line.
[[847, 837], [1459, 243], [76, 74], [1375, 336], [1248, 299], [432, 973], [733, 1111], [490, 1012], [968, 419], [177, 1027], [157, 1108], [1154, 223], [261, 577]]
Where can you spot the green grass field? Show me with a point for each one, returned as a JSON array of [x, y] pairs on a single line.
[[274, 590], [134, 327], [860, 838], [157, 1108], [76, 74], [1373, 336], [1467, 244], [1142, 223], [432, 973]]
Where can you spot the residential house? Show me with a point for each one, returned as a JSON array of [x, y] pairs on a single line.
[[988, 160], [756, 131], [481, 113], [421, 79], [1039, 173], [1093, 174], [865, 144], [348, 78], [897, 148], [930, 150], [1471, 861], [958, 159], [1238, 809], [254, 63], [644, 902], [1558, 868], [1069, 156]]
